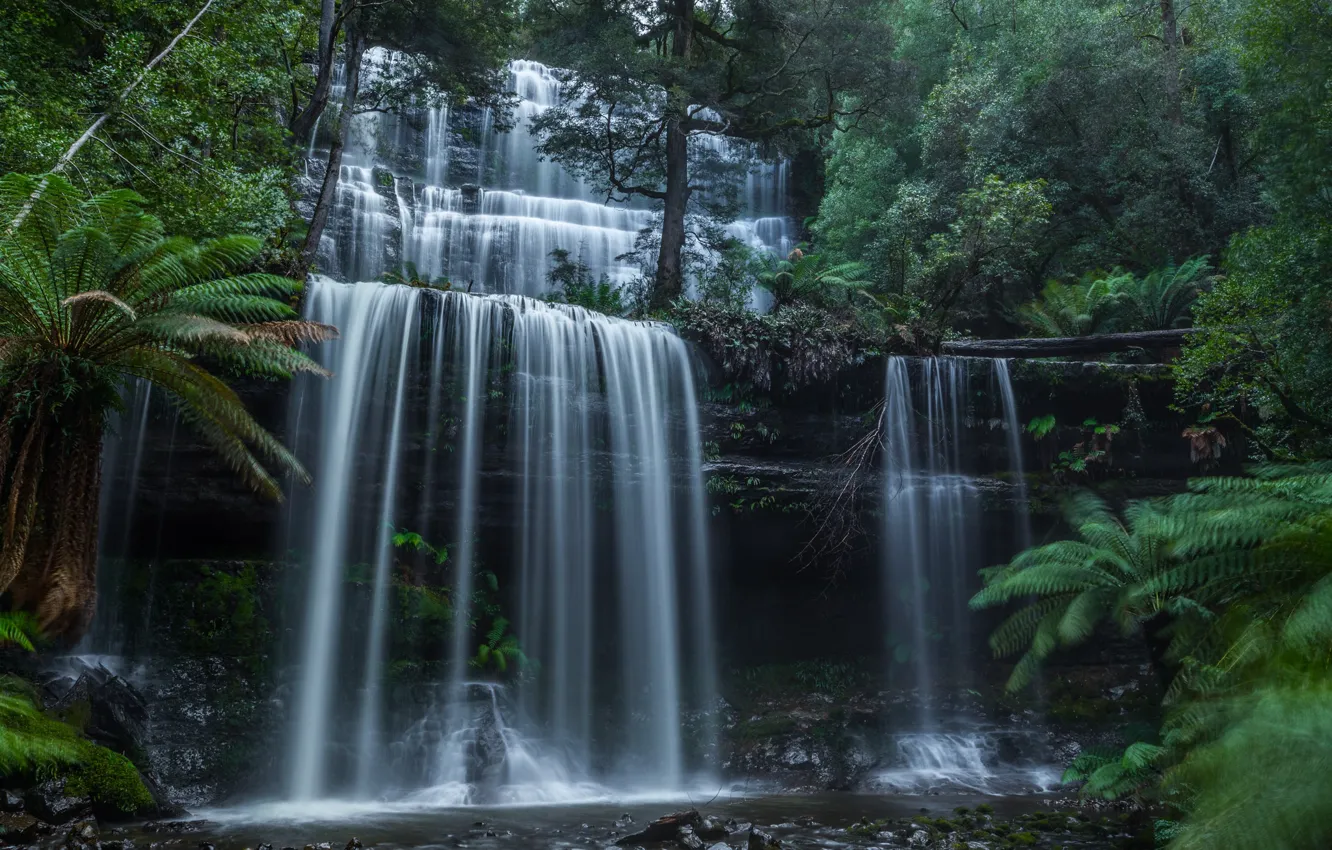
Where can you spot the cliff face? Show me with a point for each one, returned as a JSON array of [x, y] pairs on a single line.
[[197, 548]]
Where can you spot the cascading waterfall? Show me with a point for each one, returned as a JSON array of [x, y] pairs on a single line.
[[611, 575], [931, 514], [486, 216]]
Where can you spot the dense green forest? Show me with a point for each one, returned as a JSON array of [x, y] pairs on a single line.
[[962, 169]]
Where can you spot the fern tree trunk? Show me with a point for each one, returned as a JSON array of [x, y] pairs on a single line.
[[50, 482]]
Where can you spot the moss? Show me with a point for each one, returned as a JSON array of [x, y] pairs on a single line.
[[34, 745], [111, 780], [1019, 839], [985, 809]]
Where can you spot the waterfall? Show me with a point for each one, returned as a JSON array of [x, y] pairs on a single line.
[[601, 459], [122, 461], [931, 525], [931, 512], [439, 189]]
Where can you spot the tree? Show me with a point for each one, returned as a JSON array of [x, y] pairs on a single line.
[[654, 89], [93, 294], [200, 134], [1266, 345], [1070, 95]]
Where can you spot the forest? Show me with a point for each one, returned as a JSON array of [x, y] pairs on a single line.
[[483, 403]]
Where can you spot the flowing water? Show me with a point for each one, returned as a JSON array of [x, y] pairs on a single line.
[[439, 190], [584, 431], [931, 524], [600, 451]]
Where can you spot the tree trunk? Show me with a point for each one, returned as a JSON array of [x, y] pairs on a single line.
[[1067, 346], [329, 189], [669, 283], [670, 261], [303, 123], [1170, 40], [52, 484]]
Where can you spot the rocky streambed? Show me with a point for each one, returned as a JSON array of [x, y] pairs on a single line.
[[807, 822]]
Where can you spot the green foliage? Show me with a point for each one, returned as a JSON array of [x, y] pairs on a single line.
[[33, 745], [1067, 588], [19, 628], [1090, 306], [809, 278], [499, 650], [414, 542], [1070, 97], [111, 780], [200, 137], [1041, 426], [572, 282], [1101, 303], [1112, 775], [784, 350], [408, 275], [95, 290]]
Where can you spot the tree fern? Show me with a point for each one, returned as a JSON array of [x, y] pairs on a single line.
[[1068, 587], [1164, 298], [1090, 306], [93, 294]]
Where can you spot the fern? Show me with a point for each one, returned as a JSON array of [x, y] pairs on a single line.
[[19, 628]]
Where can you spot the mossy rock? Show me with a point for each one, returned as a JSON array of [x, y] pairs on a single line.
[[113, 783], [33, 745]]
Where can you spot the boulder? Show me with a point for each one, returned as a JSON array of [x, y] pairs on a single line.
[[665, 828], [760, 840], [49, 802]]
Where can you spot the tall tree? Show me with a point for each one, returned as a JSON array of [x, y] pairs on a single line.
[[653, 87]]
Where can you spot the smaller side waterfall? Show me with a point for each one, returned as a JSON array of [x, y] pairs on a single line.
[[931, 553], [930, 521]]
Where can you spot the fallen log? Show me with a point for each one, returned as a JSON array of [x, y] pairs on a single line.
[[1070, 346]]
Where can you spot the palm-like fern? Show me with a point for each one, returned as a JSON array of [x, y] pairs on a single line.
[[1090, 306], [92, 294], [1076, 584], [1164, 298], [1113, 775], [808, 277]]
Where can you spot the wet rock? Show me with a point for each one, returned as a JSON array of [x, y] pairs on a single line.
[[805, 821], [354, 844], [48, 801], [760, 840], [720, 845], [264, 847], [665, 828], [118, 844], [10, 802], [733, 827], [84, 830], [689, 840], [204, 845], [179, 827], [711, 828]]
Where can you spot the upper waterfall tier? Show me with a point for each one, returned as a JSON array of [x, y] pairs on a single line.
[[440, 189]]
